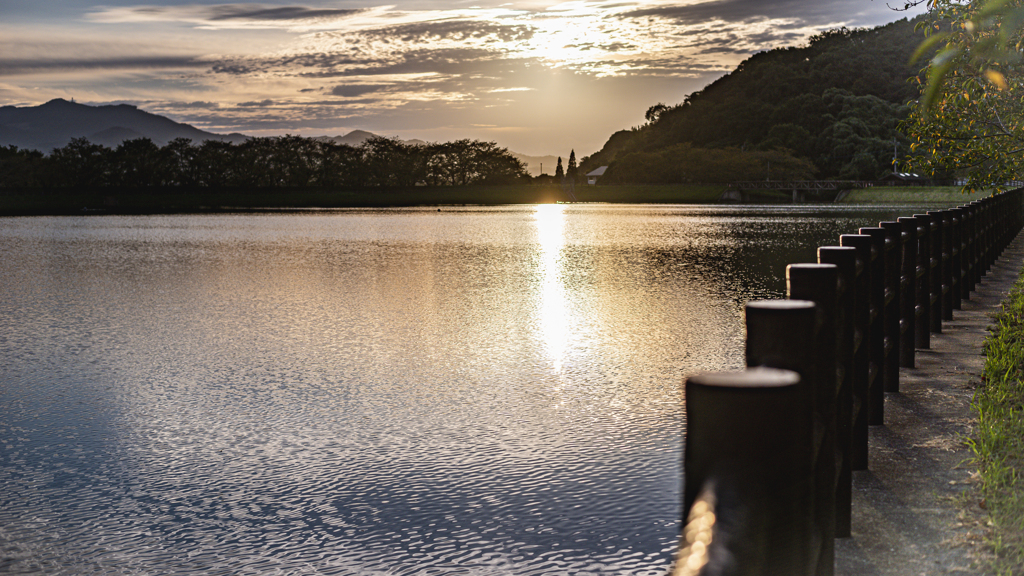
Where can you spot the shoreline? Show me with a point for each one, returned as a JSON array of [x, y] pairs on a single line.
[[114, 201]]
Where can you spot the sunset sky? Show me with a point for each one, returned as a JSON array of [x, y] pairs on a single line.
[[537, 77]]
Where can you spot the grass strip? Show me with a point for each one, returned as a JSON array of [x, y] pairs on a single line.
[[911, 195], [998, 442]]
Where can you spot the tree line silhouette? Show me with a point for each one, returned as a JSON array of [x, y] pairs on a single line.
[[265, 162]]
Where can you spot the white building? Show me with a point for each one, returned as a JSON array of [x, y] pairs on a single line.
[[593, 176]]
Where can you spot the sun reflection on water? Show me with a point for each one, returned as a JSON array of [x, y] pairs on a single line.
[[554, 317]]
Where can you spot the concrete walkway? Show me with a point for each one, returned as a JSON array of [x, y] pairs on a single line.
[[913, 509]]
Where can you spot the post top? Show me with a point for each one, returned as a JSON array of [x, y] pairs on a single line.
[[780, 304], [757, 377], [811, 266]]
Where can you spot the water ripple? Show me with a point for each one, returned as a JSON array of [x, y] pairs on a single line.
[[480, 391]]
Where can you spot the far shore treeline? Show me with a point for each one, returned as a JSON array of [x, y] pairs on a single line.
[[295, 162], [263, 163]]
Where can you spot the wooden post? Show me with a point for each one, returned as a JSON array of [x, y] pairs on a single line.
[[893, 263], [819, 283], [948, 287], [956, 257], [934, 272], [747, 446], [923, 312], [908, 291], [845, 259], [986, 235], [861, 353], [974, 246], [876, 330]]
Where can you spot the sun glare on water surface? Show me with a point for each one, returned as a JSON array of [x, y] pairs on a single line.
[[554, 314]]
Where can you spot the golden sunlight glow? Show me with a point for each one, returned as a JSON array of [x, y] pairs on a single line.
[[554, 313], [697, 536]]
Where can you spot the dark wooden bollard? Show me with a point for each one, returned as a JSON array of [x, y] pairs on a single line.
[[944, 248], [934, 272], [908, 290], [956, 257], [877, 327], [845, 259], [747, 444], [819, 283], [919, 279], [973, 246], [983, 215], [861, 352], [923, 311], [893, 261], [966, 282], [992, 207]]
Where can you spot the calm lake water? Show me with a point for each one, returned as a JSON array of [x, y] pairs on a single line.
[[472, 391]]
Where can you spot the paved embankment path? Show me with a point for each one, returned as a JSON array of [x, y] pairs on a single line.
[[910, 513]]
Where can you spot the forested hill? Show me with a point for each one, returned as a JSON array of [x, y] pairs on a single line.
[[835, 102]]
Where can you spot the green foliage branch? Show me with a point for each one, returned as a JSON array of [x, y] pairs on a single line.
[[969, 119]]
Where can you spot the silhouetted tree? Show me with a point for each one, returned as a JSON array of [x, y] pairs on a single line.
[[136, 163], [654, 112], [215, 164], [180, 158], [80, 164], [22, 168], [559, 171], [342, 166], [391, 162]]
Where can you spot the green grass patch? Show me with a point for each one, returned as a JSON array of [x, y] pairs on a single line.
[[911, 195], [998, 442]]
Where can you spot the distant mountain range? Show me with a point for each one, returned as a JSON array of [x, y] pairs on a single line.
[[54, 124]]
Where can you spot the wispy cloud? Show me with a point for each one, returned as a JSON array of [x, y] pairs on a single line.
[[352, 90], [225, 16], [11, 66], [746, 11]]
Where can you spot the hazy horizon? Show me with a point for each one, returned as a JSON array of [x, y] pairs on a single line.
[[537, 78]]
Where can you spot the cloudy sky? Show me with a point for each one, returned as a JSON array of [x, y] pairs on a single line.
[[536, 76]]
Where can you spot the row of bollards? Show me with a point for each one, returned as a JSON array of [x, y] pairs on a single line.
[[770, 451]]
